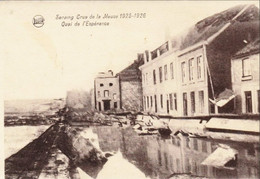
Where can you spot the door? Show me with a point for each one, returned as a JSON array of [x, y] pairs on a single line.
[[99, 106], [155, 103], [106, 104], [168, 110], [248, 97], [185, 104]]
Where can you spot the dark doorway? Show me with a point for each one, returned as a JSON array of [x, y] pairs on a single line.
[[248, 97], [185, 104], [106, 104], [155, 103], [99, 106], [168, 110]]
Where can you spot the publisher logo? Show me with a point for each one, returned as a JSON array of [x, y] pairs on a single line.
[[38, 21]]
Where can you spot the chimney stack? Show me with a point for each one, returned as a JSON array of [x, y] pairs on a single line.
[[111, 72]]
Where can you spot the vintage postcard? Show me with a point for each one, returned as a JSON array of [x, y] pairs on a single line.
[[130, 90]]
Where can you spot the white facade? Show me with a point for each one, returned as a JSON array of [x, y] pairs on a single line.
[[107, 95], [245, 83], [173, 84]]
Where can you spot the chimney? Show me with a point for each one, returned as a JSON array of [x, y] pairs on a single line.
[[111, 72], [147, 56], [140, 56]]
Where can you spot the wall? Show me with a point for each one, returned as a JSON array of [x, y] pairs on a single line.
[[131, 95], [160, 88], [112, 90], [171, 86], [240, 84], [195, 85]]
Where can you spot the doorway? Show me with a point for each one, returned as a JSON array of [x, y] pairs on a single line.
[[106, 104], [155, 103]]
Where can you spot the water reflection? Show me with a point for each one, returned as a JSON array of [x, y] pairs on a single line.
[[160, 157]]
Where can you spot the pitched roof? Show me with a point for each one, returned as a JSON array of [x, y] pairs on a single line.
[[250, 48], [132, 72], [207, 27]]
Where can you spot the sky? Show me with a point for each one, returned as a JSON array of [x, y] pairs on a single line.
[[48, 61]]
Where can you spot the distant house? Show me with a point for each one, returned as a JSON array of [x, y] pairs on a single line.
[[106, 91], [245, 78], [130, 84], [191, 75]]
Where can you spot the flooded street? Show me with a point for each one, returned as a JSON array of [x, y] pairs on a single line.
[[151, 156]]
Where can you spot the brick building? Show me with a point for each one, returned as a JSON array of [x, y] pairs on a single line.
[[191, 75]]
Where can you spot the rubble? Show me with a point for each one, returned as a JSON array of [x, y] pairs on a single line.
[[60, 149]]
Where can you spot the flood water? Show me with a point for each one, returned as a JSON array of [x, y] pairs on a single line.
[[156, 157]]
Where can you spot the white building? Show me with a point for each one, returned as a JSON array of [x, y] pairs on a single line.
[[191, 76]]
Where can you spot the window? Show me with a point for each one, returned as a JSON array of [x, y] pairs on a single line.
[[175, 101], [178, 163], [246, 67], [161, 101], [171, 162], [106, 93], [191, 69], [171, 70], [188, 142], [204, 146], [188, 166], [155, 103], [98, 93], [159, 158], [151, 101], [160, 74], [195, 167], [192, 99], [200, 69], [171, 101], [185, 104], [258, 98], [165, 73], [154, 77], [144, 103], [248, 97], [166, 160], [147, 101], [110, 84], [101, 84], [114, 96], [201, 101], [195, 144], [183, 72], [115, 105]]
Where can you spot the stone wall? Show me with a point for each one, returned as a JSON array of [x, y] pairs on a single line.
[[131, 95]]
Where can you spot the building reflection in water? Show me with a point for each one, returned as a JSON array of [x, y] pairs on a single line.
[[159, 157]]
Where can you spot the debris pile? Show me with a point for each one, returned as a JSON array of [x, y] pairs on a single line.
[[58, 151]]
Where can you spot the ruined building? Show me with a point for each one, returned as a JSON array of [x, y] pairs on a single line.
[[190, 75], [130, 84]]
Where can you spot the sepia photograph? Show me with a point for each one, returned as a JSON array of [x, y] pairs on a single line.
[[130, 89]]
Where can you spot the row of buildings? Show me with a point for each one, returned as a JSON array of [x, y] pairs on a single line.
[[213, 68]]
